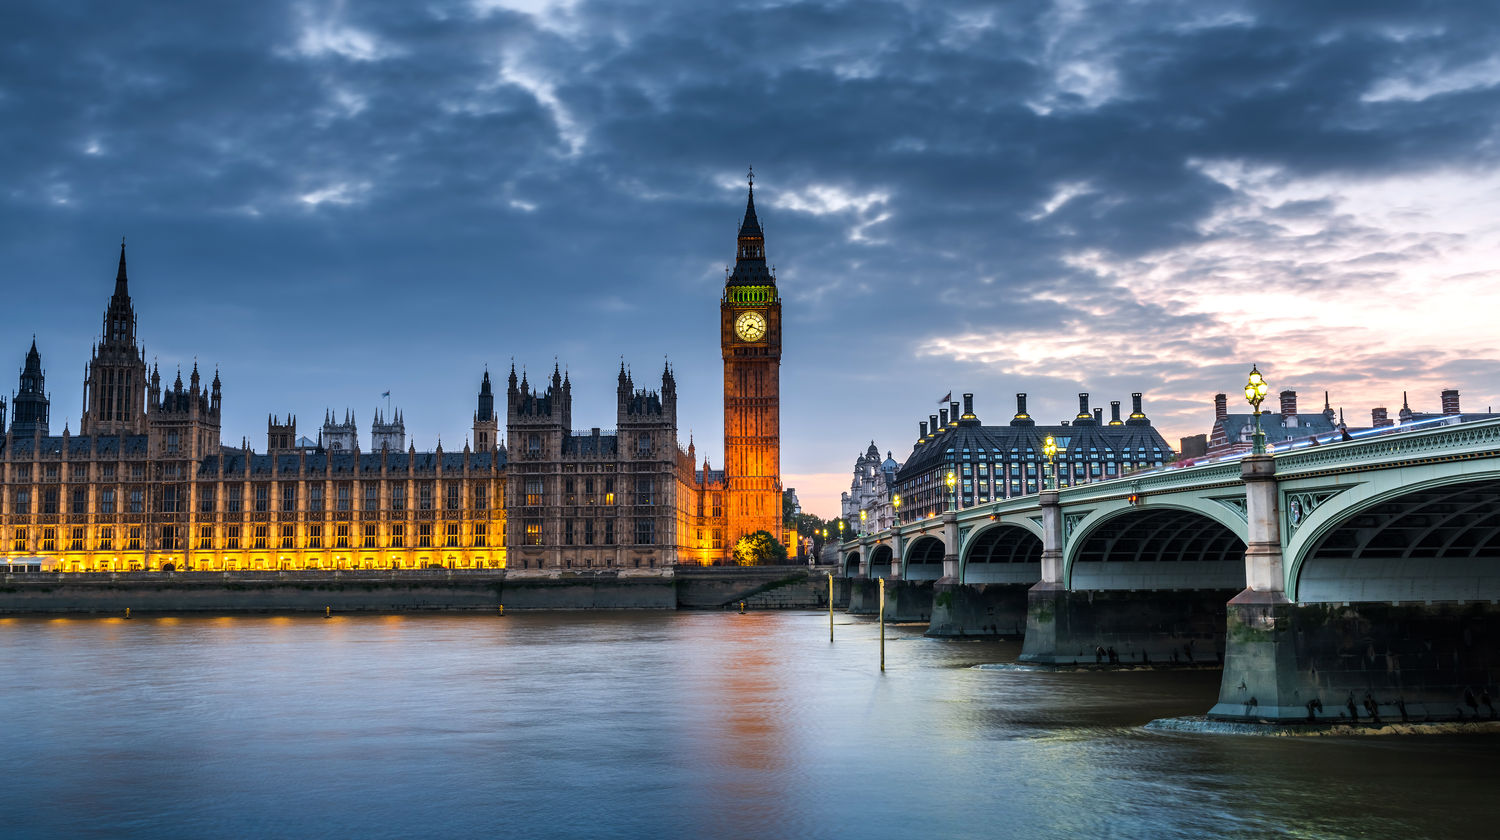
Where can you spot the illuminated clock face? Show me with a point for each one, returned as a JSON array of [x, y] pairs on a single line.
[[751, 326]]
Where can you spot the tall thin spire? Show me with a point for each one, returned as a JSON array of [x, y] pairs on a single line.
[[122, 284], [750, 255]]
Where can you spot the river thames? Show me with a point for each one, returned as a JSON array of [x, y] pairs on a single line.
[[677, 725]]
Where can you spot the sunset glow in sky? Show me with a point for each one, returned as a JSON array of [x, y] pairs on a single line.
[[330, 200]]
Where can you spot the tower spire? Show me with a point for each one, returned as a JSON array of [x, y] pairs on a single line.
[[121, 280], [750, 255]]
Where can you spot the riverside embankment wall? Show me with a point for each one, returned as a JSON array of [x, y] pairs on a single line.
[[773, 587]]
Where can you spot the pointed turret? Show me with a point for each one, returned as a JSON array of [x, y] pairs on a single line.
[[115, 378], [122, 282], [31, 405], [486, 424], [486, 408], [750, 255]]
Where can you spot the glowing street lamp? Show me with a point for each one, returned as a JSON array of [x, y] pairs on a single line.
[[863, 520], [841, 530], [951, 481], [1049, 450], [896, 503], [1255, 391]]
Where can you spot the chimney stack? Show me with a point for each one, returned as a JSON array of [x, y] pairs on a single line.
[[952, 413], [1114, 413], [1221, 406], [968, 405], [1083, 407], [1137, 417], [1098, 417], [1021, 418], [943, 413], [932, 425], [1288, 403], [1379, 417], [1450, 401], [923, 435]]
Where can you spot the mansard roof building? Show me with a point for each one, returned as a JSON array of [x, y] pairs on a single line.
[[999, 462]]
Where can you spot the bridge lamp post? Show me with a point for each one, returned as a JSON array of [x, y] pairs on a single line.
[[896, 503], [1255, 391], [863, 522], [1049, 449], [841, 530], [951, 480]]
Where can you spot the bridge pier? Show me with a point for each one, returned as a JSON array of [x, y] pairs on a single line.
[[863, 599], [1166, 628], [905, 600], [978, 609], [1370, 662]]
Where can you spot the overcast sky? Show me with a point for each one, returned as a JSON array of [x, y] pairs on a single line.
[[329, 200]]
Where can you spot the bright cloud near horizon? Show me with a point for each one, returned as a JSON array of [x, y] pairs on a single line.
[[329, 200]]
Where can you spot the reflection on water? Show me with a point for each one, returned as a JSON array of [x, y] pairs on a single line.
[[658, 725]]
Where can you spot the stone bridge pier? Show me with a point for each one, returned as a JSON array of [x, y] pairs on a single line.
[[997, 564], [909, 565], [1135, 584], [1368, 601]]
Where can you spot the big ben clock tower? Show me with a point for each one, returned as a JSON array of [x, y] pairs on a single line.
[[750, 336]]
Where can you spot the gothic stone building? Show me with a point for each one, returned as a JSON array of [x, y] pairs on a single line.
[[632, 497], [147, 483]]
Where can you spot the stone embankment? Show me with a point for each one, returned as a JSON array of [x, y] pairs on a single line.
[[766, 587]]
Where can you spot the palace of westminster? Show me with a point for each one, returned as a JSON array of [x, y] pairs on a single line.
[[147, 484]]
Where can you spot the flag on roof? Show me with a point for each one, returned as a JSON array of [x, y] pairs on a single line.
[[386, 394], [946, 398]]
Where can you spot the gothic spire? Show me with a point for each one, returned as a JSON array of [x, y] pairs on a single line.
[[121, 282], [751, 225], [750, 256]]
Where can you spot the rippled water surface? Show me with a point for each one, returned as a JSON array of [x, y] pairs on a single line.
[[658, 725]]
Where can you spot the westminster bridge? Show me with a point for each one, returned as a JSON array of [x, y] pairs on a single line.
[[1357, 579]]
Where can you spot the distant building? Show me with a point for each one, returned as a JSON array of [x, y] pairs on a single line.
[[999, 462], [1236, 432], [872, 491], [1232, 433], [1193, 446], [1448, 413]]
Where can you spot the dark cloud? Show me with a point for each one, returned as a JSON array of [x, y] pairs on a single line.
[[333, 200]]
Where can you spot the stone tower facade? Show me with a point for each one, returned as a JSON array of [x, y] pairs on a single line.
[[30, 405], [486, 425], [114, 381], [750, 338], [340, 437], [387, 432], [281, 437]]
